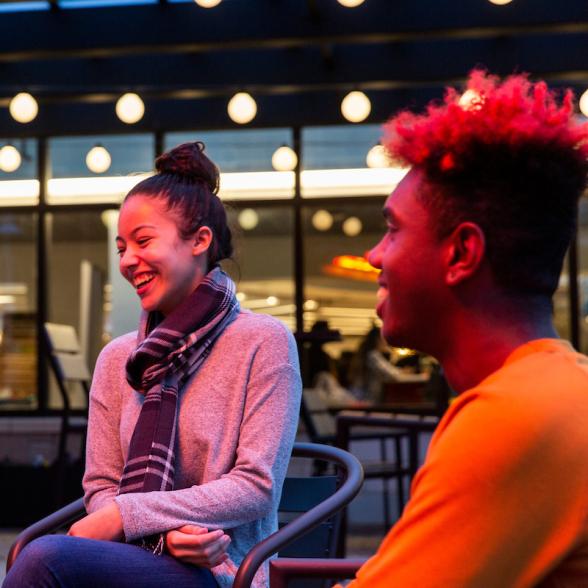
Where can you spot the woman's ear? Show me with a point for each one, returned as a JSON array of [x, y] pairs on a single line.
[[466, 249], [201, 240]]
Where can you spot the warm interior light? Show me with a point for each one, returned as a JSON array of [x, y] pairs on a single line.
[[584, 103], [353, 267], [208, 3], [272, 300], [248, 219], [500, 2], [352, 226], [10, 159], [322, 220], [23, 108], [356, 107], [242, 108], [130, 108], [98, 159], [241, 296], [350, 3], [377, 157], [284, 159]]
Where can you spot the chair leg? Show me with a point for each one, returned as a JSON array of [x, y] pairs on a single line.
[[400, 478], [385, 487]]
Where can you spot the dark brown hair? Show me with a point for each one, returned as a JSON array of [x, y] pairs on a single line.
[[188, 182]]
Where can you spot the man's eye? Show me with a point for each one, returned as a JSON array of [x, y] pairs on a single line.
[[119, 251], [143, 241]]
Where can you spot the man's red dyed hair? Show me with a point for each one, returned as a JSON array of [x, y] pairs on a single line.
[[509, 156]]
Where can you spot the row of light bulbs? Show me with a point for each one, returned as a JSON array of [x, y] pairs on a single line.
[[99, 160], [347, 3], [322, 220], [242, 108]]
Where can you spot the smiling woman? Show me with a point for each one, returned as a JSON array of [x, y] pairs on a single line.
[[179, 463]]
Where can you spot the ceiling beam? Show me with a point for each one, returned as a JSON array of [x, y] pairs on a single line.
[[250, 24], [295, 70]]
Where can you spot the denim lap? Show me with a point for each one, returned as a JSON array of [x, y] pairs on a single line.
[[60, 561]]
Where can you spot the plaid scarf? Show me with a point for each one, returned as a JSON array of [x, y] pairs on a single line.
[[167, 355]]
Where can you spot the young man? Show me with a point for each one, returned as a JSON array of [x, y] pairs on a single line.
[[477, 233]]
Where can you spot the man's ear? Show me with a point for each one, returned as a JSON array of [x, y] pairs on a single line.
[[466, 249], [201, 240]]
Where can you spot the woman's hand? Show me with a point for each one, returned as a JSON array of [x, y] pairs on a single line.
[[196, 545], [104, 524]]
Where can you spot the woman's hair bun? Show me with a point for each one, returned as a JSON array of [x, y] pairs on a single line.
[[189, 161]]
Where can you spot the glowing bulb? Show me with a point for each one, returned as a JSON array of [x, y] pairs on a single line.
[[352, 226], [377, 157], [10, 159], [322, 220], [23, 108], [356, 107], [350, 3], [470, 100], [284, 159], [500, 2], [310, 305], [584, 103], [98, 159], [242, 108], [241, 296], [130, 108], [208, 3], [248, 219], [272, 301]]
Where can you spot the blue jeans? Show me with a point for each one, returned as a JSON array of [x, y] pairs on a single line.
[[61, 561]]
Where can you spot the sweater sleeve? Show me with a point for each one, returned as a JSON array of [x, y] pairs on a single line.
[[498, 500], [251, 489], [104, 458]]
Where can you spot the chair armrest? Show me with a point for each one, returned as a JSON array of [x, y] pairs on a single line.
[[64, 516], [283, 569]]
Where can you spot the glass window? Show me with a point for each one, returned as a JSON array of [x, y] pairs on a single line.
[[247, 150], [340, 288], [338, 147], [18, 172], [263, 266], [128, 159], [18, 286], [79, 282]]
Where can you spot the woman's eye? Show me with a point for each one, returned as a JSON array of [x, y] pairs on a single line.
[[143, 241], [119, 251]]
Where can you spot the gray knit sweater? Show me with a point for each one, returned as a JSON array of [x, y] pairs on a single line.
[[237, 421]]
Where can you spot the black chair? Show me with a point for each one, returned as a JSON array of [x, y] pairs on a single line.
[[320, 422], [318, 499], [70, 370]]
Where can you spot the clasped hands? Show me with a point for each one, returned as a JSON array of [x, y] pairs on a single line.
[[190, 543]]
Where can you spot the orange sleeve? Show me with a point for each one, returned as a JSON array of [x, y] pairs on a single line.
[[499, 502]]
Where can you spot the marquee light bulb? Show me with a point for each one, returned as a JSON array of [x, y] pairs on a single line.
[[322, 220], [350, 3], [242, 108], [248, 219], [284, 158], [98, 159], [23, 108], [130, 108], [352, 226], [356, 107], [10, 159], [208, 3], [584, 103], [377, 157]]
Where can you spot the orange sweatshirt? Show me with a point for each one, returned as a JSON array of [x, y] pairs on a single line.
[[502, 498]]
